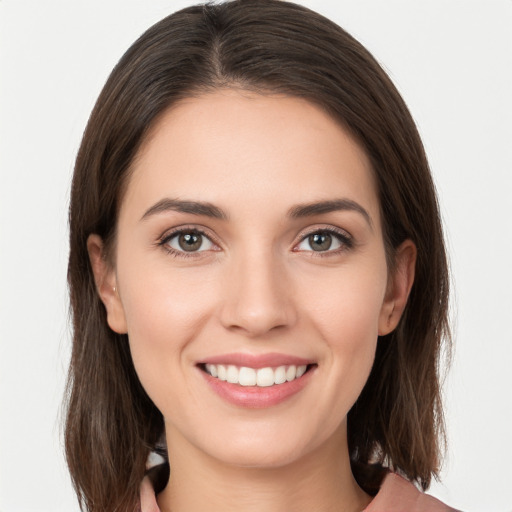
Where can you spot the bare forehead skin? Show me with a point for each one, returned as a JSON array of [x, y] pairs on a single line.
[[232, 139]]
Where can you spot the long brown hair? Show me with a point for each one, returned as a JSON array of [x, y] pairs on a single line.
[[263, 46]]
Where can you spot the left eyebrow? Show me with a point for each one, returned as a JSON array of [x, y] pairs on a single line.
[[333, 205], [193, 207]]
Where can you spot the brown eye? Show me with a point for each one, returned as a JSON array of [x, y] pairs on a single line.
[[327, 241], [320, 241], [189, 241]]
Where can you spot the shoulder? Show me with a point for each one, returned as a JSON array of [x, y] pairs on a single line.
[[398, 495]]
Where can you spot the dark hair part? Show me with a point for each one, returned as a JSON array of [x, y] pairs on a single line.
[[267, 46]]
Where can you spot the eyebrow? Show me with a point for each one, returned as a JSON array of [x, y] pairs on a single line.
[[333, 205], [193, 207], [296, 212]]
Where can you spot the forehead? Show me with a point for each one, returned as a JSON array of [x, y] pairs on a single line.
[[230, 145]]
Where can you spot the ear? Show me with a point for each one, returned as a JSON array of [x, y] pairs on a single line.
[[106, 284], [399, 286]]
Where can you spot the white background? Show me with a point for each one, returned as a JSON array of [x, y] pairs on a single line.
[[452, 61]]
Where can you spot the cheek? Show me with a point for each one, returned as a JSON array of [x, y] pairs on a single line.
[[345, 305], [345, 311], [164, 312]]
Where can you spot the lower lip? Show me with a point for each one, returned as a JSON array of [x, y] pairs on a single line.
[[254, 397]]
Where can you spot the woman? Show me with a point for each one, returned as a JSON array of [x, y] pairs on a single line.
[[257, 275]]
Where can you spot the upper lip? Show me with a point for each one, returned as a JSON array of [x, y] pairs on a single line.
[[273, 360]]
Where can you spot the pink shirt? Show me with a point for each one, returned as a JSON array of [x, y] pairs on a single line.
[[396, 495]]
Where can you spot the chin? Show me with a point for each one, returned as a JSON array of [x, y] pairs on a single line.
[[260, 457], [268, 446]]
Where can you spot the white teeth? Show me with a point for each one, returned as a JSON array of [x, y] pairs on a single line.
[[265, 377], [247, 376], [291, 372], [261, 377], [221, 372], [232, 374], [301, 370], [211, 369], [280, 375]]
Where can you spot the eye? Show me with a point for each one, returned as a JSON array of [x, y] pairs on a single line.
[[325, 240], [188, 241]]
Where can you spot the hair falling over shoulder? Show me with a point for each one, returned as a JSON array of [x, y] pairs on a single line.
[[263, 46]]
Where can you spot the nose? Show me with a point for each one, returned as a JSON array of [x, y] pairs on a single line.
[[258, 297]]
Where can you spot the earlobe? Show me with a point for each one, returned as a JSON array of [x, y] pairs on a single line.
[[399, 286], [106, 284]]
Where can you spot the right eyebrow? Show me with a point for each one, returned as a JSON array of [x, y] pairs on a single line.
[[332, 205], [193, 207]]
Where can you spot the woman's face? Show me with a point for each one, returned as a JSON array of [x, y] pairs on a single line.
[[249, 246]]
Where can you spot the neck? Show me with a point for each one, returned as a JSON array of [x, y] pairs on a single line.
[[318, 481]]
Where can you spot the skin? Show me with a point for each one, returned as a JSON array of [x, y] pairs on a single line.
[[258, 287]]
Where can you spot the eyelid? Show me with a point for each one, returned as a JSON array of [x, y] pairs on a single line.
[[343, 236], [164, 239]]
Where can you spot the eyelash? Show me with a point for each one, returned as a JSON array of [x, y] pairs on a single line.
[[166, 238], [346, 241], [342, 236]]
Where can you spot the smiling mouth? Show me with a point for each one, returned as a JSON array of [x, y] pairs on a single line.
[[256, 377]]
